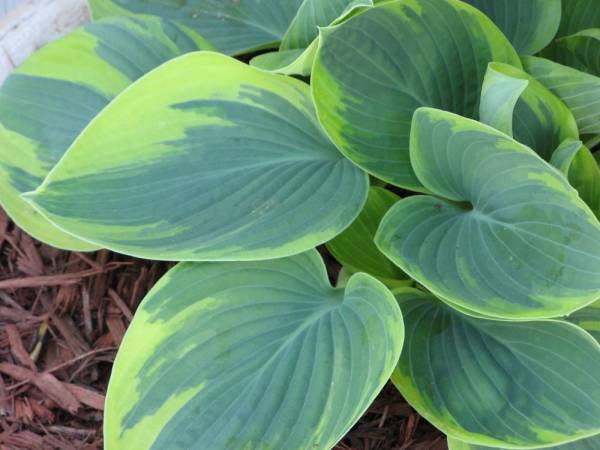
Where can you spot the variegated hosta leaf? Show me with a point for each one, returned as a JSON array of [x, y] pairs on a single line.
[[591, 443], [498, 383], [588, 318], [372, 72], [355, 247], [48, 100], [580, 91], [580, 166], [578, 15], [506, 235], [580, 51], [205, 158], [530, 25], [537, 118], [251, 356], [233, 26]]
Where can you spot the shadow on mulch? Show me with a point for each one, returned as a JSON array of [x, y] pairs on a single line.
[[62, 317]]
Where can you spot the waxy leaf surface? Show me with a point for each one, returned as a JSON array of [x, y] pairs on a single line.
[[251, 356], [53, 96], [506, 235], [205, 158], [578, 15], [498, 383], [374, 70]]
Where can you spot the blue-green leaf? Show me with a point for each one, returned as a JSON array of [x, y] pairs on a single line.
[[251, 356], [498, 383], [505, 235]]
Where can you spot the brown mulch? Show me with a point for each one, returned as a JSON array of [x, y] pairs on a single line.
[[62, 317]]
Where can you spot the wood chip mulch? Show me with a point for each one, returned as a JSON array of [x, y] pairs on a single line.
[[62, 317]]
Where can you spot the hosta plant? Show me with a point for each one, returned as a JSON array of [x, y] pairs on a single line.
[[444, 152]]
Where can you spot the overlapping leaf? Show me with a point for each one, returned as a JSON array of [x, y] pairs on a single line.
[[205, 159], [506, 235], [232, 26], [374, 70], [49, 100], [588, 318], [580, 91], [580, 51], [530, 25], [518, 105], [251, 356], [355, 247], [498, 383]]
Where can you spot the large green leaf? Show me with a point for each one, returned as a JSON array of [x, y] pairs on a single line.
[[580, 51], [578, 15], [506, 235], [355, 247], [205, 158], [592, 443], [232, 26], [498, 383], [49, 99], [588, 318], [372, 71], [530, 25], [529, 111], [251, 356], [580, 91]]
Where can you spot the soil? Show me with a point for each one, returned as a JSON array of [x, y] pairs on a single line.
[[62, 317]]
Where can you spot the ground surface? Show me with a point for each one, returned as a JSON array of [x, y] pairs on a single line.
[[62, 317]]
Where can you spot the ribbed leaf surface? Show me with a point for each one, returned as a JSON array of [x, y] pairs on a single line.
[[251, 356]]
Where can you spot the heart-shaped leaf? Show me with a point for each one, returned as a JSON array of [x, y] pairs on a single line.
[[506, 235], [592, 443], [498, 383], [355, 247], [578, 15], [372, 72], [580, 91], [234, 27], [530, 25], [205, 158], [537, 119], [262, 355], [52, 97]]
